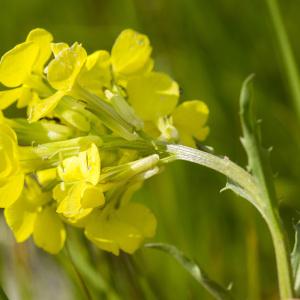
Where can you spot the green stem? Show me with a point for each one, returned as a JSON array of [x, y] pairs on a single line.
[[282, 255], [286, 52], [250, 188], [79, 276], [259, 165], [220, 164]]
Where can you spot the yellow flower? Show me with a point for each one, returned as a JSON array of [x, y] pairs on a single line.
[[153, 95], [63, 70], [21, 68], [62, 73], [70, 69], [85, 166], [79, 192], [96, 75], [189, 118], [109, 102], [130, 55], [38, 108], [76, 201], [121, 229], [32, 215], [11, 176]]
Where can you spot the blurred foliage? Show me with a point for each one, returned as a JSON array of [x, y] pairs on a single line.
[[209, 47]]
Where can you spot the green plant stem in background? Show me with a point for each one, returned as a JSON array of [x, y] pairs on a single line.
[[286, 52], [92, 281], [80, 278]]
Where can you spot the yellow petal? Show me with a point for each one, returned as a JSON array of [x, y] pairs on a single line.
[[9, 96], [153, 95], [60, 191], [16, 64], [34, 194], [11, 189], [20, 218], [187, 140], [138, 216], [49, 232], [9, 161], [111, 235], [123, 229], [96, 73], [91, 164], [40, 108], [97, 231], [130, 54], [70, 169], [86, 166], [56, 48], [92, 196], [70, 207], [64, 69], [42, 38], [189, 118], [2, 118], [6, 130], [25, 97], [46, 176]]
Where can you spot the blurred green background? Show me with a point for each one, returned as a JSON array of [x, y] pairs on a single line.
[[209, 47]]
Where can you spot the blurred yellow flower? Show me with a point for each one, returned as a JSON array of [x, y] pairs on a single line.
[[190, 118], [130, 55], [153, 95], [21, 68], [79, 193], [11, 176], [32, 214], [121, 229]]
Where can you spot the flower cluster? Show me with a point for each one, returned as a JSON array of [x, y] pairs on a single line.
[[93, 129]]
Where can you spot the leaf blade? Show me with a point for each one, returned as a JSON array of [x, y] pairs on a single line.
[[216, 290]]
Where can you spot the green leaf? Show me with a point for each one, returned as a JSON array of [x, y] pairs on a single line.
[[258, 157], [295, 260], [217, 291]]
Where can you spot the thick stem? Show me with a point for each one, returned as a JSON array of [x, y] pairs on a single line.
[[258, 198], [222, 165], [281, 248]]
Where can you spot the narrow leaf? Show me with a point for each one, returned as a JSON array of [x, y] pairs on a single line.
[[258, 157], [217, 291]]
